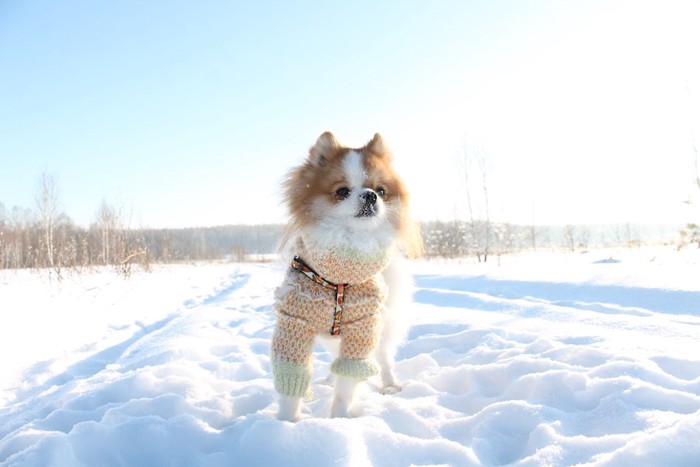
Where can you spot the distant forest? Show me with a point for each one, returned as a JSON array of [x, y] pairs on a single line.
[[27, 242], [47, 238], [27, 245]]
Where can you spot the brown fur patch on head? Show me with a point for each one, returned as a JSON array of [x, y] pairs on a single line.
[[316, 176], [326, 146], [323, 173]]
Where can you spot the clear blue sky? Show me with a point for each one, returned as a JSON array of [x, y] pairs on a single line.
[[189, 113]]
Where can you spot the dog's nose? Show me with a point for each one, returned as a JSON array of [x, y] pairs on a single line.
[[369, 197]]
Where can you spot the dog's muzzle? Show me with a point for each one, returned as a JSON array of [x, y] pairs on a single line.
[[369, 204]]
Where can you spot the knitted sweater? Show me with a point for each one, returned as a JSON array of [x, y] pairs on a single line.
[[306, 308]]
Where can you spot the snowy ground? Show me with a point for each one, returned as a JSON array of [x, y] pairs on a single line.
[[589, 359]]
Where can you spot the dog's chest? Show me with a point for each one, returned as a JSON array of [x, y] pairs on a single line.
[[345, 266]]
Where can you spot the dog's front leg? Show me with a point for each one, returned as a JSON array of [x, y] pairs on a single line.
[[386, 364], [290, 408], [344, 393]]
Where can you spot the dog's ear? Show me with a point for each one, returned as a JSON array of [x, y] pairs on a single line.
[[377, 147], [325, 145]]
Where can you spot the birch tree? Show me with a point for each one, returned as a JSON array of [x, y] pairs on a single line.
[[47, 205], [480, 229], [107, 224]]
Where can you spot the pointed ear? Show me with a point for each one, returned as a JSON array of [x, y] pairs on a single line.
[[377, 146], [325, 144]]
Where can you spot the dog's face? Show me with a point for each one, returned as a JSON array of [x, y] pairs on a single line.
[[356, 189]]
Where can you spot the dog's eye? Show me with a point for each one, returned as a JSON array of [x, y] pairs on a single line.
[[343, 192], [381, 192]]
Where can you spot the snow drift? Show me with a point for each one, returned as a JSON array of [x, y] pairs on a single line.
[[587, 359]]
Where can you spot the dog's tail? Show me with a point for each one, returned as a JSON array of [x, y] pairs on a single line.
[[395, 320]]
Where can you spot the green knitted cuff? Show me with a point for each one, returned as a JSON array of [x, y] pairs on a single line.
[[291, 379], [355, 369]]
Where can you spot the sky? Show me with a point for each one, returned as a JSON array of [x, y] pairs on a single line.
[[186, 114]]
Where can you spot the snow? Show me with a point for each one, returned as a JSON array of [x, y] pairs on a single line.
[[533, 359]]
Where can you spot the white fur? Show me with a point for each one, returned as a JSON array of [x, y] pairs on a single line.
[[289, 408], [344, 394], [329, 234], [394, 321], [354, 171]]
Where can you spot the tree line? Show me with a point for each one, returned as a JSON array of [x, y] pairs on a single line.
[[482, 239], [27, 241], [45, 237]]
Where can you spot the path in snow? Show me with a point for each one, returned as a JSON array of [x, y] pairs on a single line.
[[498, 368]]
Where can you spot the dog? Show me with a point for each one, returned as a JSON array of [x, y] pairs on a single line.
[[349, 226]]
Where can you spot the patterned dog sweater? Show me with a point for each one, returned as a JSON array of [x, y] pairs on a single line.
[[306, 308]]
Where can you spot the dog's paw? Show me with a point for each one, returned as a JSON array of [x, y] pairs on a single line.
[[286, 416], [391, 389], [289, 409], [340, 412]]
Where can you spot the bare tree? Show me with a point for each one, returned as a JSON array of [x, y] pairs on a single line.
[[626, 234], [532, 235], [19, 244], [472, 220], [4, 237], [533, 231], [692, 227], [691, 232], [107, 224], [506, 238], [479, 229], [47, 204], [487, 226], [570, 237], [584, 236], [66, 244], [697, 170]]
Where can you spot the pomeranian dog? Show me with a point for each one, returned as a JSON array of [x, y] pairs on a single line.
[[349, 225]]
